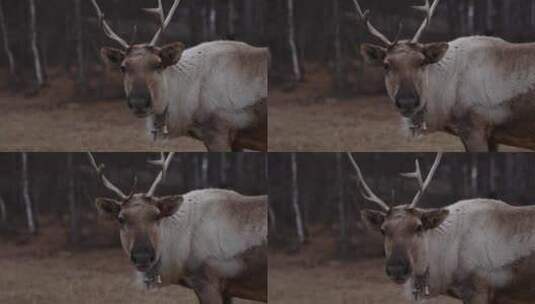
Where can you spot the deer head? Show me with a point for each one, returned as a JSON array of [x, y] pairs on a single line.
[[142, 64], [139, 215], [403, 227]]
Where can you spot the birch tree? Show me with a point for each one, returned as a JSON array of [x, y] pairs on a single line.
[[33, 43], [3, 211], [291, 41], [295, 202], [32, 227], [7, 48]]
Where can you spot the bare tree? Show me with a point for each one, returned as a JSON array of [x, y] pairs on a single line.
[[3, 211], [32, 227], [338, 82], [7, 48], [204, 170], [35, 51], [80, 47], [343, 238], [73, 202], [291, 41], [295, 202]]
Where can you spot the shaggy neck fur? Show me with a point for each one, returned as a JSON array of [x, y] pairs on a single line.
[[480, 237], [179, 81], [477, 76]]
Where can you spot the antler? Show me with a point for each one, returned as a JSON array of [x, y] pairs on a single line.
[[106, 28], [164, 22], [421, 183], [429, 10], [164, 163], [367, 193], [365, 17], [105, 181]]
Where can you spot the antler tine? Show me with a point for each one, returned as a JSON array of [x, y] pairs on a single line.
[[133, 188], [105, 181], [164, 164], [367, 193], [416, 174], [165, 22], [107, 29], [430, 10], [423, 186], [365, 17], [157, 12], [398, 34]]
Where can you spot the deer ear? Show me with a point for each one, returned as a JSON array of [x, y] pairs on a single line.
[[373, 54], [168, 205], [112, 57], [433, 218], [108, 207], [171, 53], [373, 219], [434, 52]]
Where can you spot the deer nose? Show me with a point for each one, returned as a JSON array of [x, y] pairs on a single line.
[[139, 102], [142, 257], [398, 271], [407, 104]]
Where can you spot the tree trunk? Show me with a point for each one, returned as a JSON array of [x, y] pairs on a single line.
[[343, 244], [474, 176], [3, 211], [339, 82], [82, 81], [231, 15], [73, 202], [212, 20], [291, 41], [9, 53], [204, 168], [35, 51], [32, 227], [295, 202]]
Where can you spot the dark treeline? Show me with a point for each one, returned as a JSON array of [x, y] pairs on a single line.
[[62, 187], [309, 191], [329, 33], [68, 36]]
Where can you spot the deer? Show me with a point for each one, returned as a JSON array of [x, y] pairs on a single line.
[[213, 241], [476, 250], [215, 92], [480, 89]]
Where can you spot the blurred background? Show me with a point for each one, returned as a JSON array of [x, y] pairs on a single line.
[[316, 234], [321, 86], [51, 73], [53, 246]]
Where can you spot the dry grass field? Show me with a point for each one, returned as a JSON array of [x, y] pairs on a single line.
[[40, 271], [55, 120], [307, 119], [291, 281]]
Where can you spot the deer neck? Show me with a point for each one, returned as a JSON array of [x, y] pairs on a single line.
[[175, 240]]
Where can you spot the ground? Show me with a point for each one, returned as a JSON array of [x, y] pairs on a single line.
[[306, 118], [83, 277], [57, 120], [293, 282]]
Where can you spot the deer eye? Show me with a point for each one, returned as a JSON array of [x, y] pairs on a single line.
[[383, 231], [386, 66], [420, 228], [155, 65], [121, 220]]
